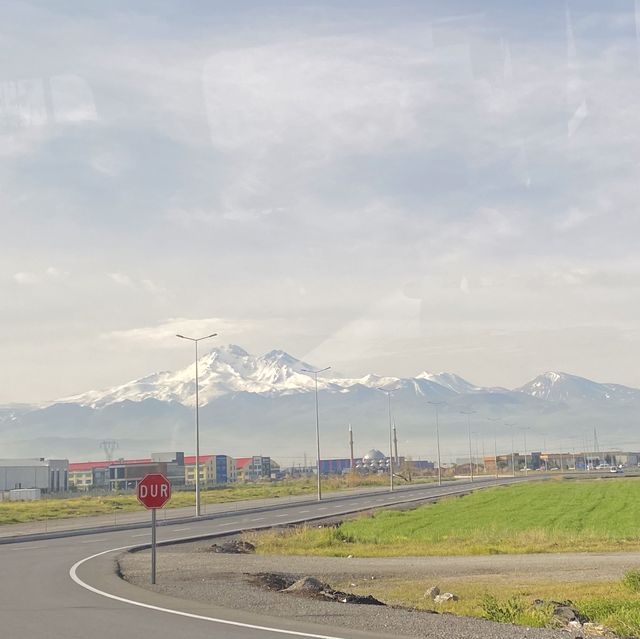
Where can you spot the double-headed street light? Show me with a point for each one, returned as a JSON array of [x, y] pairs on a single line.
[[388, 393], [513, 454], [495, 443], [436, 405], [468, 413], [315, 374], [195, 340], [524, 430]]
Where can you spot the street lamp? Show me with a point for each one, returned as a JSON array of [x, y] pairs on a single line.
[[513, 455], [495, 443], [195, 340], [468, 414], [435, 405], [315, 374], [388, 394], [524, 430]]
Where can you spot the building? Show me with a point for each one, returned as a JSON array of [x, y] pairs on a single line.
[[49, 475], [214, 470], [88, 475], [336, 466], [256, 467], [124, 474]]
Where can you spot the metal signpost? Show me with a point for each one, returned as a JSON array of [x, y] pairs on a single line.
[[153, 492]]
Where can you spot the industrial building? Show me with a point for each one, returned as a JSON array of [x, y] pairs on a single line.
[[124, 474], [48, 475]]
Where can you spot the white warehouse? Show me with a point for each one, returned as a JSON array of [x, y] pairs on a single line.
[[49, 475]]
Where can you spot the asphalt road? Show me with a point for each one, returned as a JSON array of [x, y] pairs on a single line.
[[53, 588]]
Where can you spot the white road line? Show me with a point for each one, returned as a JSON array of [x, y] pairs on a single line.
[[282, 515], [73, 573], [28, 548], [141, 535], [257, 519], [180, 529], [302, 512]]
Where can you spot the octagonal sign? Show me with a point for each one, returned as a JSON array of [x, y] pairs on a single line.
[[154, 491]]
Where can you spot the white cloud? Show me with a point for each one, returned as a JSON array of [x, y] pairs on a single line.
[[122, 279], [164, 334], [25, 278]]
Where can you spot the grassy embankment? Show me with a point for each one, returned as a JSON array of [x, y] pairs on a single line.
[[611, 604], [552, 516], [84, 506]]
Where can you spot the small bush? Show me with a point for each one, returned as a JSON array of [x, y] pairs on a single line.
[[508, 612], [515, 611], [631, 580]]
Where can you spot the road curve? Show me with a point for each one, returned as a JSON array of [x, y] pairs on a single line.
[[65, 587]]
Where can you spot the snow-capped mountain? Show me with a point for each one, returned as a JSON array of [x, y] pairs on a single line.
[[226, 369], [230, 369], [563, 387], [251, 404]]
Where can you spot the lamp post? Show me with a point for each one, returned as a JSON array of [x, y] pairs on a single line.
[[524, 432], [388, 394], [315, 374], [195, 340], [495, 443], [513, 455], [436, 405], [468, 413]]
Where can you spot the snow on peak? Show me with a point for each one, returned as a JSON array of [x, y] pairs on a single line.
[[558, 386], [223, 370], [450, 381]]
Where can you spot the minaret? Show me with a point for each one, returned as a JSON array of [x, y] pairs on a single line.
[[353, 463], [395, 444]]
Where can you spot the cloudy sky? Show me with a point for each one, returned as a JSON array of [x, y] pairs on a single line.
[[378, 186]]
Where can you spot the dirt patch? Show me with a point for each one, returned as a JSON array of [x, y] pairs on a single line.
[[232, 547], [271, 580], [309, 587]]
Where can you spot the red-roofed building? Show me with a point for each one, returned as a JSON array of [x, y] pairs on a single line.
[[124, 474], [256, 467]]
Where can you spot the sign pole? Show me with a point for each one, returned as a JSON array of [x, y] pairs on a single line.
[[153, 545], [153, 492]]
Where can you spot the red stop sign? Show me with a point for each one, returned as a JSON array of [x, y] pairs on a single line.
[[154, 491]]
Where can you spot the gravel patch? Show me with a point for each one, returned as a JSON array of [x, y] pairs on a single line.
[[187, 572]]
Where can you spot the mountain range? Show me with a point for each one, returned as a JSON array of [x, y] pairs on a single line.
[[265, 405]]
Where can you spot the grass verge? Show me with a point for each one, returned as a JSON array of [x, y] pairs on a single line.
[[552, 516], [610, 604]]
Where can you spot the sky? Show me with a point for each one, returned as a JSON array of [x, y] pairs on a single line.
[[384, 187]]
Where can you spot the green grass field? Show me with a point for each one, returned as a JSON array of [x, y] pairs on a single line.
[[550, 516], [84, 506]]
